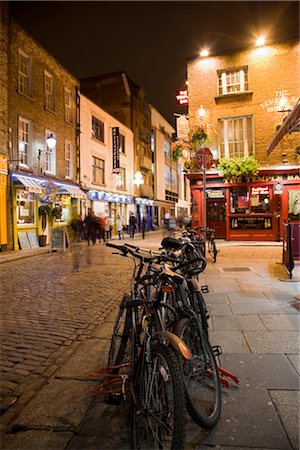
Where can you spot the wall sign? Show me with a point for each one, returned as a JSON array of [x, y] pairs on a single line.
[[116, 149], [257, 190], [23, 240], [182, 97], [280, 103], [215, 193], [278, 188]]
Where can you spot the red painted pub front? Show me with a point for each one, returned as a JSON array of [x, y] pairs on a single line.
[[253, 211]]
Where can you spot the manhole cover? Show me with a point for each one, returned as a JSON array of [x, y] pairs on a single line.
[[236, 269]]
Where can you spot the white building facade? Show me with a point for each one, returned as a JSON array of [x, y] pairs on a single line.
[[109, 188]]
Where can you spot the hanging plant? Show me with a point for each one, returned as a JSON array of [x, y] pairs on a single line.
[[238, 169], [198, 134], [179, 149], [44, 211], [56, 212]]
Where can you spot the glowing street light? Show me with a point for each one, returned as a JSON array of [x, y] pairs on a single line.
[[201, 112], [51, 141], [138, 178], [204, 52], [260, 41]]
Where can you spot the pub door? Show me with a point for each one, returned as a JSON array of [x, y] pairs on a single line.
[[216, 217]]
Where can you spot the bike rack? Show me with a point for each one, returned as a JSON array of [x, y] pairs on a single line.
[[112, 383]]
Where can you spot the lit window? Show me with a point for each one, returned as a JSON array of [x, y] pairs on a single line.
[[50, 160], [236, 137], [68, 105], [49, 91], [98, 170], [25, 207], [24, 141], [121, 179], [24, 73], [97, 129], [233, 81], [122, 143], [68, 158]]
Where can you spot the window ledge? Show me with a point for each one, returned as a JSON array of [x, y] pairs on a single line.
[[29, 97], [233, 95], [69, 123], [50, 110], [97, 140], [98, 184]]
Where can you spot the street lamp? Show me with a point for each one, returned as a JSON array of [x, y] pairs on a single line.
[[138, 178], [201, 112], [51, 143]]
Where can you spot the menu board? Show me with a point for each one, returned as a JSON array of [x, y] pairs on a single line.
[[57, 238], [33, 240], [23, 240]]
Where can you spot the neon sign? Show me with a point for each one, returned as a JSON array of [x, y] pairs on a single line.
[[182, 97]]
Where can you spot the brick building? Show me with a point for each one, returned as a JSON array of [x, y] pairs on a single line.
[[42, 104], [245, 95], [127, 102]]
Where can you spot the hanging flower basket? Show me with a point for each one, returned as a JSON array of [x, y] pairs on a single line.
[[56, 212], [179, 149], [198, 134]]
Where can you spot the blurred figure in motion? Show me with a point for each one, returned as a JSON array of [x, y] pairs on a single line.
[[143, 224], [91, 225], [77, 226], [120, 224], [172, 226], [132, 224]]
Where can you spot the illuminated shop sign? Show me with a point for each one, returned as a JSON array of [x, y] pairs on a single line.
[[280, 103], [109, 197], [259, 190], [182, 97], [144, 201], [215, 193]]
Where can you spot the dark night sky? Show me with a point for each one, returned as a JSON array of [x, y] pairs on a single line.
[[150, 40]]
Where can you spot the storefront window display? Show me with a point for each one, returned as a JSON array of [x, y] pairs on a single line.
[[25, 207], [260, 199], [258, 202], [239, 200], [64, 202], [294, 204]]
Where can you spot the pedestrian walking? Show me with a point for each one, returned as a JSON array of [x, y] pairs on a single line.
[[172, 226], [77, 226], [91, 225], [132, 224], [102, 222], [144, 221], [109, 227], [120, 224]]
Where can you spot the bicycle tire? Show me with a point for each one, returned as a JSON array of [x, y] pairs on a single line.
[[120, 335], [200, 308], [158, 406], [203, 390]]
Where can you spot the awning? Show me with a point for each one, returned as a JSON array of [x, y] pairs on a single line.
[[31, 184], [73, 191], [290, 124]]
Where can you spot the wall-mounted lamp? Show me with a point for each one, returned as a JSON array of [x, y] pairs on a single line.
[[260, 41], [138, 178], [51, 143], [201, 112]]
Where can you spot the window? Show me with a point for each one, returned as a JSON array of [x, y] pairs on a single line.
[[236, 137], [68, 159], [167, 148], [239, 200], [24, 73], [98, 170], [121, 181], [50, 163], [122, 143], [233, 80], [260, 199], [49, 91], [97, 129], [68, 105], [25, 207], [24, 141]]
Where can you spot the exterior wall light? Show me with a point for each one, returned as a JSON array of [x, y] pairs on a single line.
[[201, 112], [51, 141], [138, 178], [204, 53], [260, 41]]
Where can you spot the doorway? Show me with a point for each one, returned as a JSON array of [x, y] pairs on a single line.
[[216, 217]]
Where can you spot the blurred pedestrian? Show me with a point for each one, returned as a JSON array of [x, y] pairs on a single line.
[[102, 225], [77, 226], [144, 222], [120, 224], [172, 226], [132, 224], [91, 225]]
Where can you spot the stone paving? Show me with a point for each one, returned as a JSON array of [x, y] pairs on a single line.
[[57, 313]]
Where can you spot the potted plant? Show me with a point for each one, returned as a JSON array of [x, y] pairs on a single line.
[[44, 211], [238, 170], [56, 212], [198, 134]]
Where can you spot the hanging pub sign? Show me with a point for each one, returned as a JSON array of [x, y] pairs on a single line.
[[278, 188], [182, 97], [116, 149]]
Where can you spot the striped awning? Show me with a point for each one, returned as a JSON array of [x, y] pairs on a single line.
[[290, 124], [72, 190], [32, 185]]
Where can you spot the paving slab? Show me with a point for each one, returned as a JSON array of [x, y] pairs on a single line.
[[282, 322], [258, 307], [224, 286], [54, 406], [295, 361], [214, 298], [220, 309], [262, 372], [230, 341], [288, 406], [36, 439], [273, 341], [90, 356], [247, 297], [279, 296], [105, 329], [231, 323]]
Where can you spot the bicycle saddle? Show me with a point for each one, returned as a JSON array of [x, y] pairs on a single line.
[[171, 243]]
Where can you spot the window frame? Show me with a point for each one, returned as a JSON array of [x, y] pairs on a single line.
[[96, 169], [23, 75], [247, 140], [69, 159], [121, 177], [49, 95], [68, 100], [101, 133], [232, 72], [24, 163], [122, 144]]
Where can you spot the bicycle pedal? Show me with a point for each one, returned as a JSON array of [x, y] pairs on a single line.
[[217, 350], [204, 289], [113, 399]]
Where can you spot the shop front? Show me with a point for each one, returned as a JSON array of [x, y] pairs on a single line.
[[144, 209], [248, 211], [3, 203], [39, 204], [110, 204]]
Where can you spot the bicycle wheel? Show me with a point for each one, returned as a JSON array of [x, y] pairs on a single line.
[[202, 383], [200, 308], [118, 351], [158, 408]]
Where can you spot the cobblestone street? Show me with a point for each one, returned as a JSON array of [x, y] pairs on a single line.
[[49, 303]]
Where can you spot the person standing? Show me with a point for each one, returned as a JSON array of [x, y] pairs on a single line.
[[144, 221], [91, 225], [132, 224], [120, 224]]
